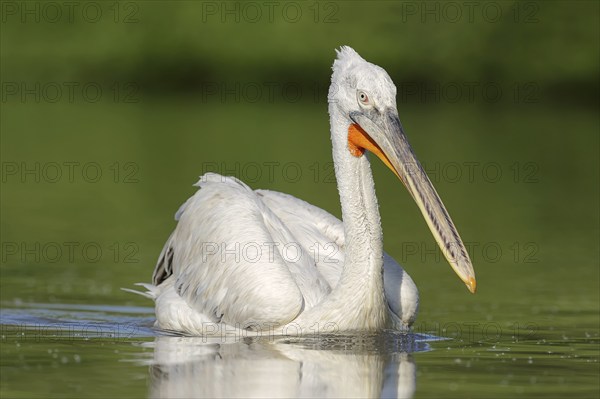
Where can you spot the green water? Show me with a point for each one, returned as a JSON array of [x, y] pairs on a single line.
[[531, 329], [90, 187]]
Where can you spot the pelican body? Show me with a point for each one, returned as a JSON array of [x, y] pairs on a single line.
[[227, 266]]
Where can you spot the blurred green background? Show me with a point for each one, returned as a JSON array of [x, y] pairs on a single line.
[[500, 102]]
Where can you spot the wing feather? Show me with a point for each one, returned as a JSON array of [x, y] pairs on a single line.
[[239, 256], [227, 260]]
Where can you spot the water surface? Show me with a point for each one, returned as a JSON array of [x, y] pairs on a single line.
[[531, 330]]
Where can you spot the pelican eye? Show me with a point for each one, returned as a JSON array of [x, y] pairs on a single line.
[[363, 97]]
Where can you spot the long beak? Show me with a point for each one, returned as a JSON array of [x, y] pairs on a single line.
[[382, 134]]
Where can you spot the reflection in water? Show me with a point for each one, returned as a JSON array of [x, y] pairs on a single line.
[[352, 366]]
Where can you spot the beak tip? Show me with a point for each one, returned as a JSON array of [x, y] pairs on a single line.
[[472, 285]]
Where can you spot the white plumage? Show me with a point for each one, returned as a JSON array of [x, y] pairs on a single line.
[[252, 262]]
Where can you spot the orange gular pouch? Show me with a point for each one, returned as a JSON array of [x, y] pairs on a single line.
[[359, 141]]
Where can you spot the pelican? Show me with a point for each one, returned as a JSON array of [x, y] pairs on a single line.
[[244, 260]]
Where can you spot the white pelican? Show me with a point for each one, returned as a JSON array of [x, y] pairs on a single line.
[[225, 267]]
